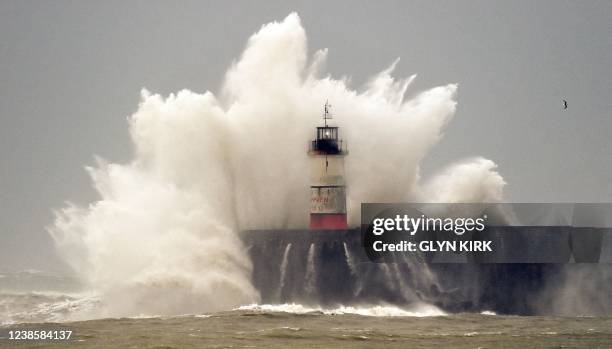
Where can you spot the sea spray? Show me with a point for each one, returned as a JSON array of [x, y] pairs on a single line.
[[162, 238]]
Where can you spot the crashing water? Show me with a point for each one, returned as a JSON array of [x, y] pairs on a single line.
[[163, 235], [271, 325]]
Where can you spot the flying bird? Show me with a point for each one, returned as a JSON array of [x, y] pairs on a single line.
[[564, 104]]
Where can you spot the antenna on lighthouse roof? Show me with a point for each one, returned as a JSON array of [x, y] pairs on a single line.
[[327, 115]]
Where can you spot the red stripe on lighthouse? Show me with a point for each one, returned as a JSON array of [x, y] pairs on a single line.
[[328, 221]]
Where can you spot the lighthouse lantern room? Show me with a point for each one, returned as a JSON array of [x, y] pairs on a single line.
[[327, 185]]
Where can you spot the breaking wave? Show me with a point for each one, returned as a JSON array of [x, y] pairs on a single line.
[[162, 238]]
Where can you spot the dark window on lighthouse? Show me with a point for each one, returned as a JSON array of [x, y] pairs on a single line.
[[330, 133], [327, 140]]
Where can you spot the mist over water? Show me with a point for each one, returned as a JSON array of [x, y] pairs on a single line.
[[163, 236]]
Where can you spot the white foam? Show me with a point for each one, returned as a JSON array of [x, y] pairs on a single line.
[[162, 238], [421, 310], [418, 311], [46, 307], [279, 308]]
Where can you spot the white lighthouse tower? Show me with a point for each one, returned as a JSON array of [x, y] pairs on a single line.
[[327, 185]]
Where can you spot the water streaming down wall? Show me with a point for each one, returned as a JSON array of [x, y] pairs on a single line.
[[311, 271], [327, 268], [283, 270]]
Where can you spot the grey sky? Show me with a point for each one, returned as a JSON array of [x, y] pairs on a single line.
[[71, 72]]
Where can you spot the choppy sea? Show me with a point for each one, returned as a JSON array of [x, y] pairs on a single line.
[[282, 325]]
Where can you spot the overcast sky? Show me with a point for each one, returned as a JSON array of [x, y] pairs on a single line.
[[72, 71]]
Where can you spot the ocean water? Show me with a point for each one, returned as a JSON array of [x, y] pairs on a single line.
[[60, 304], [298, 326]]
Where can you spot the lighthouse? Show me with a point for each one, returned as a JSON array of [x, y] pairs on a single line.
[[327, 184]]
